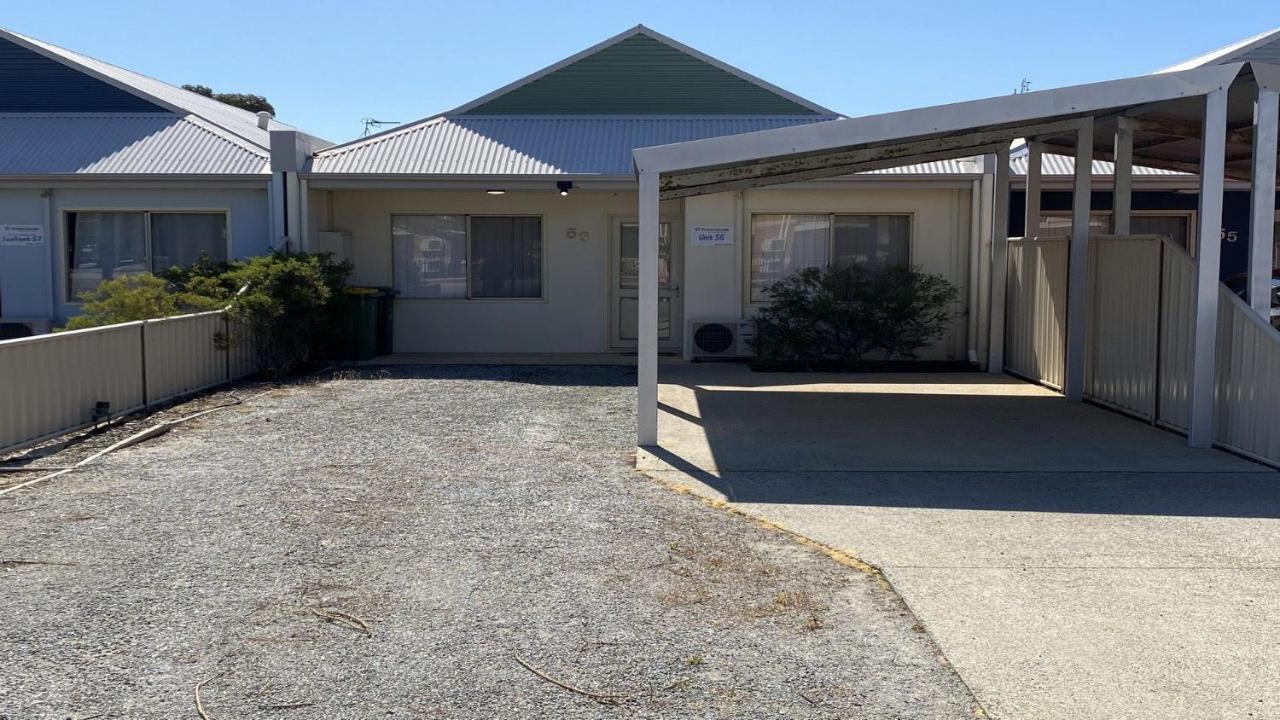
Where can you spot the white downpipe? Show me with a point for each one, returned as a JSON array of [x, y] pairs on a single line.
[[1122, 202], [51, 239], [1078, 264], [1208, 267], [1262, 208], [647, 356], [975, 258], [999, 259], [304, 219], [987, 184]]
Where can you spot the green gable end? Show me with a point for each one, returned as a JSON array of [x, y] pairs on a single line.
[[640, 76]]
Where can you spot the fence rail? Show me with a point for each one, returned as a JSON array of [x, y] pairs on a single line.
[[52, 384]]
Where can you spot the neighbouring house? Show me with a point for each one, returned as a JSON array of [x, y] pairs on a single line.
[[507, 225], [1164, 199], [105, 172]]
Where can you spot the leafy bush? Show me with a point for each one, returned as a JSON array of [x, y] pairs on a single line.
[[290, 304], [138, 297], [847, 314], [292, 307]]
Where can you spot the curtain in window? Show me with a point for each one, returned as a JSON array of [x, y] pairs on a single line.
[[102, 246], [429, 255], [783, 244], [506, 257], [872, 241], [180, 239]]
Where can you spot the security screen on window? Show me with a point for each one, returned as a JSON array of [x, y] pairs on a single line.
[[107, 245], [784, 244], [506, 257]]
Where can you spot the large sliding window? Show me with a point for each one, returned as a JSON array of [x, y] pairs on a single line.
[[460, 256], [106, 245], [783, 244], [1176, 226]]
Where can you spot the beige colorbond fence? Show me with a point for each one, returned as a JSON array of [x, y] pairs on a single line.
[[51, 384], [1036, 311], [1141, 318]]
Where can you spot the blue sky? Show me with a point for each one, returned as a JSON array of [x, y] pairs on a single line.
[[326, 64]]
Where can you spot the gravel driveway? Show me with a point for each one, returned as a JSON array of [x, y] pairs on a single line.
[[464, 515]]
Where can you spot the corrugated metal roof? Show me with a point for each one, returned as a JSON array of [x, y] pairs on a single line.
[[1054, 164], [126, 144], [1263, 47], [542, 145]]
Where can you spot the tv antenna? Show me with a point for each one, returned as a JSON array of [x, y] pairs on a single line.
[[1024, 87], [371, 124]]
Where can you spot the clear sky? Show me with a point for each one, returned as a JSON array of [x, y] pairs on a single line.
[[325, 64]]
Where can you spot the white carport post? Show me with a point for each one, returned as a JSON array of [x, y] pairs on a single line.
[[647, 358], [999, 259], [1122, 195], [1031, 226], [1213, 146], [1262, 210], [1078, 263]]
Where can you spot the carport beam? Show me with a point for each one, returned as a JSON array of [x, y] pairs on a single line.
[[647, 357], [1078, 264], [1262, 211], [1213, 147], [999, 258], [1122, 204]]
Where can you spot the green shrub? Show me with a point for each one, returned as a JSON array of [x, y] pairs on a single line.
[[292, 307], [847, 314], [138, 297]]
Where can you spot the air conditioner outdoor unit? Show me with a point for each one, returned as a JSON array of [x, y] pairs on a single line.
[[721, 338]]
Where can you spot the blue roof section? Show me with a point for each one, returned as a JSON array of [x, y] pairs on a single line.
[[31, 82]]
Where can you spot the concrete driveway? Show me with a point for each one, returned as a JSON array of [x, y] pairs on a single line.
[[1070, 562]]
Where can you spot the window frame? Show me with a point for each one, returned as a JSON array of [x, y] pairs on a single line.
[[65, 230], [466, 262], [751, 303], [1190, 215]]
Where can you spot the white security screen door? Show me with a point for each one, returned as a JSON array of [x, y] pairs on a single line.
[[625, 283]]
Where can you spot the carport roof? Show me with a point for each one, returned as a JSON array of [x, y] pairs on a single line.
[[1165, 109]]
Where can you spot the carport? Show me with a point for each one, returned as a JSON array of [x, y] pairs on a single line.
[[1218, 121]]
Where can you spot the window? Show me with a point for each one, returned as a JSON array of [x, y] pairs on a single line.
[[459, 256], [1059, 225], [781, 245], [1176, 226], [106, 245]]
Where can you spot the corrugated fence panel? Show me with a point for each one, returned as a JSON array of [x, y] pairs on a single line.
[[182, 355], [244, 350], [1036, 311], [1177, 326], [1124, 321], [1247, 407], [51, 383]]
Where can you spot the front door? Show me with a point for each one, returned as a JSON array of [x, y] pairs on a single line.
[[624, 283]]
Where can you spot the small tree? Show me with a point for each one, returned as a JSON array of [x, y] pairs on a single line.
[[246, 101], [849, 313]]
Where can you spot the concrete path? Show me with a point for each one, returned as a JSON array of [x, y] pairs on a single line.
[[1070, 562]]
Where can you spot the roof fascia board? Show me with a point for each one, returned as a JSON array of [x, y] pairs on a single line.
[[1073, 101], [629, 33], [148, 181], [600, 182], [1223, 54]]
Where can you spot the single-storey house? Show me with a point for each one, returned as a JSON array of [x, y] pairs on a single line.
[[507, 225], [105, 172]]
